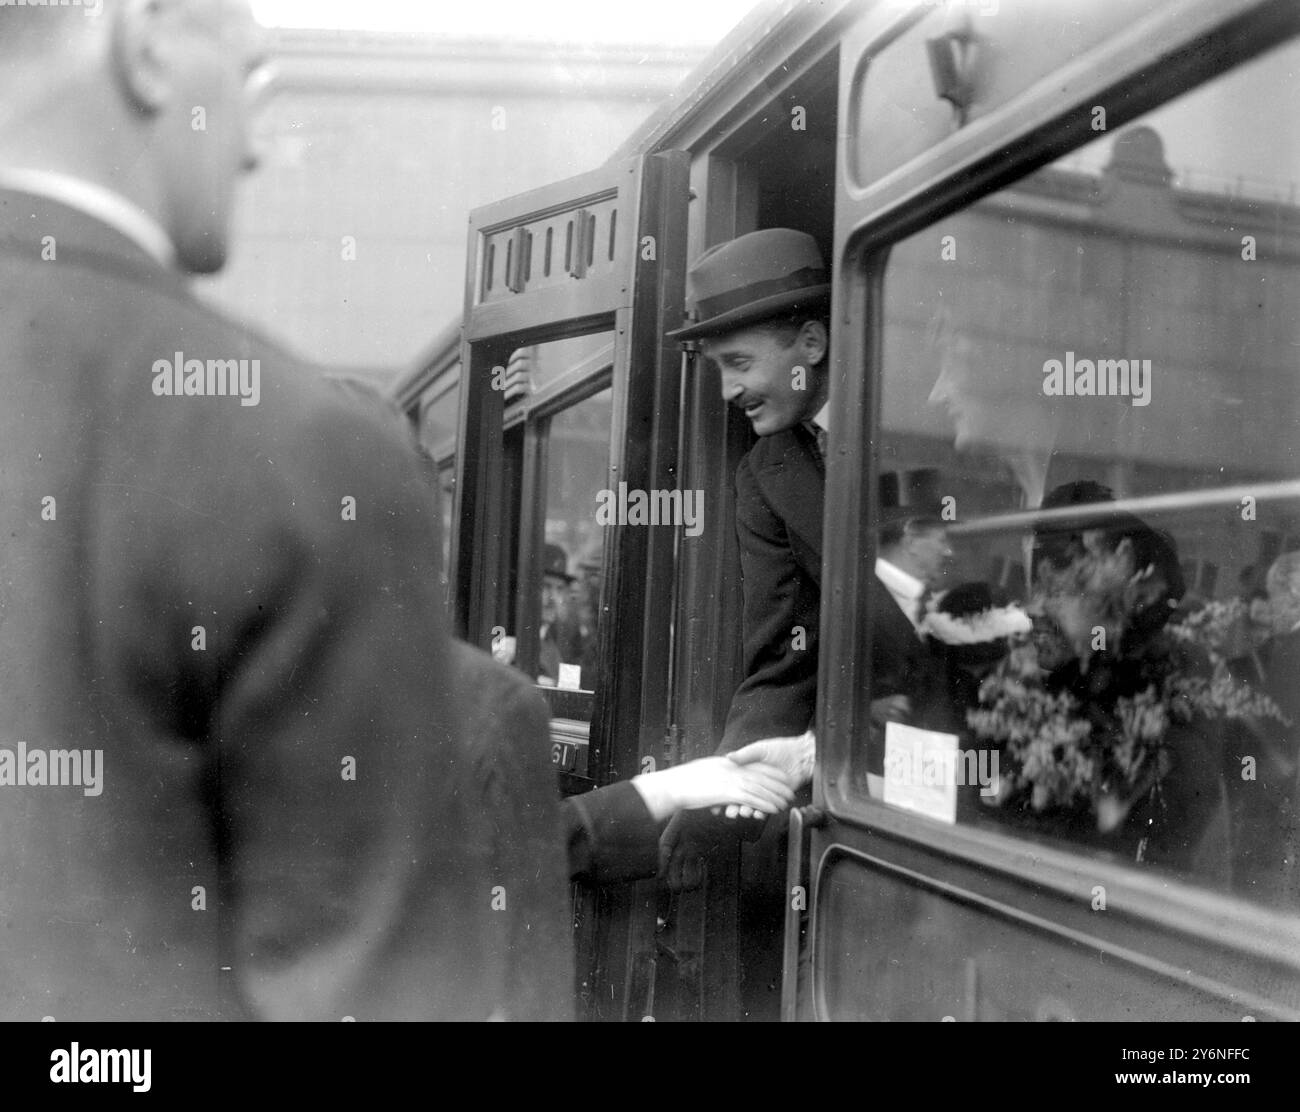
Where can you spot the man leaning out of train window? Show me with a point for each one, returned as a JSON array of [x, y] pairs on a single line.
[[611, 833]]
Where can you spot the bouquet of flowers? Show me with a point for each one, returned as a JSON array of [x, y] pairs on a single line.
[[1224, 630], [1211, 626], [1090, 731]]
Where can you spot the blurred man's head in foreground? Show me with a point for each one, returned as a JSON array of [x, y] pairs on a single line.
[[152, 99]]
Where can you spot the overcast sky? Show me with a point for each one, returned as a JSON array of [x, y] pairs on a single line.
[[658, 21]]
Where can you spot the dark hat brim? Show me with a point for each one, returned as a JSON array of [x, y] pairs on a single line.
[[754, 312]]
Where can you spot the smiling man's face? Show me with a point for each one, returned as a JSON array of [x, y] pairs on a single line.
[[760, 374]]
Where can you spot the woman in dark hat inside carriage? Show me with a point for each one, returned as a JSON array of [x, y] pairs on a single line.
[[1111, 721]]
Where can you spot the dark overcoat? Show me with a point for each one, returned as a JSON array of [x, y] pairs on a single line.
[[239, 607]]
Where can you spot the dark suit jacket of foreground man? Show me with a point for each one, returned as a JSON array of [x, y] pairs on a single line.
[[228, 869], [610, 834], [531, 929]]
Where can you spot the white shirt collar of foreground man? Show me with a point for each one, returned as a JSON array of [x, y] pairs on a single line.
[[98, 202]]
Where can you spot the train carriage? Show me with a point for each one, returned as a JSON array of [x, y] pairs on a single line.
[[1063, 238]]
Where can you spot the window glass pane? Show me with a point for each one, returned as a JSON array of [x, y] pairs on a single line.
[[542, 364], [438, 423], [1117, 326], [447, 505], [567, 587], [573, 469], [577, 471]]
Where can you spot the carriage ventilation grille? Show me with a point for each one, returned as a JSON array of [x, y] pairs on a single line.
[[550, 250]]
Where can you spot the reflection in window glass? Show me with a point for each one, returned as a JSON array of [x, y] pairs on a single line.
[[542, 364], [447, 504], [577, 471], [438, 423], [1106, 329]]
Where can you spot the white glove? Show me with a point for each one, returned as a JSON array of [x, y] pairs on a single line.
[[757, 787]]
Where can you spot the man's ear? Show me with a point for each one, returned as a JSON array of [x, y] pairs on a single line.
[[813, 341], [138, 53]]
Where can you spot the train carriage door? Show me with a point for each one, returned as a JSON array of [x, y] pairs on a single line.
[[568, 418], [1057, 724]]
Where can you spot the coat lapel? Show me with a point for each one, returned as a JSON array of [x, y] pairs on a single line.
[[790, 476]]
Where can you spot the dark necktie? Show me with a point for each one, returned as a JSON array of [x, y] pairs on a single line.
[[922, 604]]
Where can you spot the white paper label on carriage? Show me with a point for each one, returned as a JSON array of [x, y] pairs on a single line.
[[921, 771], [570, 678]]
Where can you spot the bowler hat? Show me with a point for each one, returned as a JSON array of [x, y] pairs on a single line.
[[556, 563], [754, 277], [911, 496]]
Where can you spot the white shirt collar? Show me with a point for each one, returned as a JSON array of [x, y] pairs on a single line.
[[98, 202], [822, 419], [897, 580], [906, 589]]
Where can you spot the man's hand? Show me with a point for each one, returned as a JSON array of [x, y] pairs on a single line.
[[794, 756], [688, 839], [751, 787], [762, 788]]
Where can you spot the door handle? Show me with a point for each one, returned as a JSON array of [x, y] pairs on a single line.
[[802, 819]]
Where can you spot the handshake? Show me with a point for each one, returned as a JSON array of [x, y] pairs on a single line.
[[760, 779]]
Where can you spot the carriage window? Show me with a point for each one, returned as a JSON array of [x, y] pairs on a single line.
[[577, 470], [447, 504], [435, 424], [1112, 341], [546, 363], [437, 428], [562, 456]]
